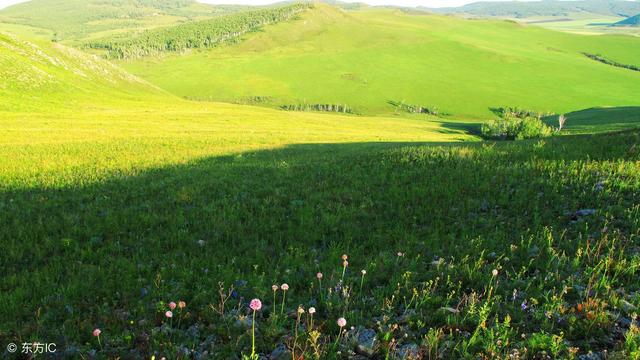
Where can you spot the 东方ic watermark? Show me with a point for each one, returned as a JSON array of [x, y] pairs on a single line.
[[32, 348]]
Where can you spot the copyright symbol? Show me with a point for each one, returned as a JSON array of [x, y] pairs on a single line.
[[12, 348]]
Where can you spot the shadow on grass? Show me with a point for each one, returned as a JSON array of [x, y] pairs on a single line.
[[278, 215], [600, 119]]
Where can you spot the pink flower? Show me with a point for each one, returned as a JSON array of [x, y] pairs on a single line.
[[97, 332], [255, 304], [319, 275], [182, 304], [275, 288], [284, 287], [168, 314], [172, 305], [342, 322]]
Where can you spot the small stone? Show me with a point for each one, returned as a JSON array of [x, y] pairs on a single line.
[[366, 342], [409, 352], [450, 309], [280, 353], [590, 356], [586, 212], [627, 306]]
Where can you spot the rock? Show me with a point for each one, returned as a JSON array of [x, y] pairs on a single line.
[[366, 342], [627, 306], [280, 353], [625, 322], [193, 331], [450, 310], [409, 352], [590, 356], [585, 212]]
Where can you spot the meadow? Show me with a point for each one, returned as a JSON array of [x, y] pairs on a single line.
[[137, 224], [389, 55]]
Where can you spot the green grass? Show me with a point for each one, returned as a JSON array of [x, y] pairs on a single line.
[[80, 248], [117, 197], [462, 67]]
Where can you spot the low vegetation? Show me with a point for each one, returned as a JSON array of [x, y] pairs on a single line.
[[414, 109], [338, 108], [445, 275], [198, 34], [604, 60], [517, 124]]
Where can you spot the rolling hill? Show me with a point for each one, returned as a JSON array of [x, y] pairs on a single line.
[[54, 94], [462, 67]]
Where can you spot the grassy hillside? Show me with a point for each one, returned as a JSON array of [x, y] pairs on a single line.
[[461, 67], [197, 34], [75, 20], [50, 93], [41, 75]]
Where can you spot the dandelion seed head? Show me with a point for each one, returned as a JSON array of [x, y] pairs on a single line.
[[255, 304], [342, 322]]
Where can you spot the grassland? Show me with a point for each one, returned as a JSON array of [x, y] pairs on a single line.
[[76, 21], [118, 197], [462, 67]]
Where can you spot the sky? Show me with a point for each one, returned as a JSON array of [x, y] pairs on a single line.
[[428, 3]]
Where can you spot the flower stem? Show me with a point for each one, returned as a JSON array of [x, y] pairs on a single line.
[[253, 336], [284, 295]]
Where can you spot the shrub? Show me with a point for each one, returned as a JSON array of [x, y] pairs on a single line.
[[512, 128]]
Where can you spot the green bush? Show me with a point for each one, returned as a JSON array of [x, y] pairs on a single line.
[[514, 128]]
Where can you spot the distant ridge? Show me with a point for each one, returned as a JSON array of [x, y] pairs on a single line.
[[632, 21], [518, 9]]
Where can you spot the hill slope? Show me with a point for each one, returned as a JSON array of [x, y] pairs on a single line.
[[462, 67], [43, 74]]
